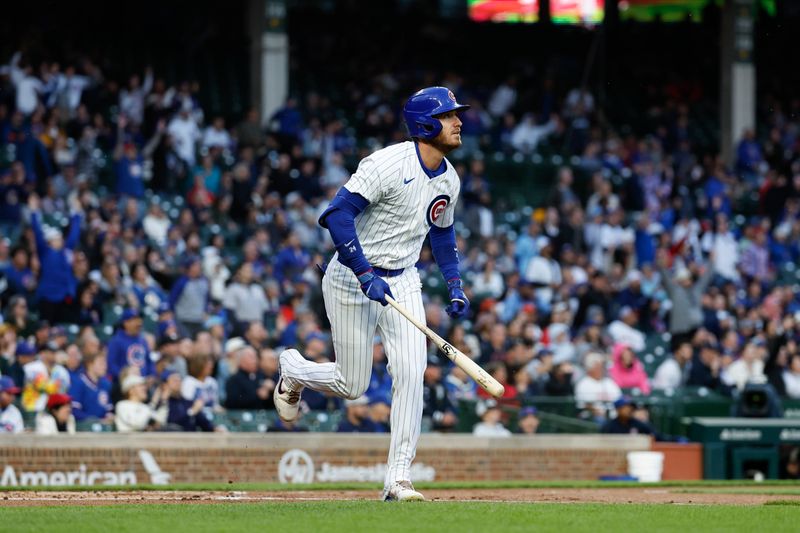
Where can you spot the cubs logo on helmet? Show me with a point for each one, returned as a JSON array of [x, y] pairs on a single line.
[[436, 208]]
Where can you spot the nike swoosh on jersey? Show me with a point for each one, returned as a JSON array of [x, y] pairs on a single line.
[[349, 243], [406, 182]]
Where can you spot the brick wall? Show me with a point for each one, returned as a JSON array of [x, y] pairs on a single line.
[[257, 458]]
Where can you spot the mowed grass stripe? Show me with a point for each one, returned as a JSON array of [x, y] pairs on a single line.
[[353, 517]]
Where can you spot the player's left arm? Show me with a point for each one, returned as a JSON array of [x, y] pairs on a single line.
[[339, 220], [445, 252]]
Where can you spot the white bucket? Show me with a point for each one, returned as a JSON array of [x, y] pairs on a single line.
[[646, 466]]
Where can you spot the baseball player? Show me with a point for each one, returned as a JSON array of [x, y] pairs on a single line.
[[378, 222]]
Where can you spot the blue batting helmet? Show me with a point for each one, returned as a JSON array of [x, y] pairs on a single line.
[[423, 106]]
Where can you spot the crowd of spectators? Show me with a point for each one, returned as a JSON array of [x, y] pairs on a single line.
[[156, 259]]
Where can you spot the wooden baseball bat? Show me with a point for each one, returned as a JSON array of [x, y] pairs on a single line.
[[473, 370]]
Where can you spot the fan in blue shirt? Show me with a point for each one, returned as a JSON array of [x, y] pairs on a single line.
[[91, 392], [128, 347]]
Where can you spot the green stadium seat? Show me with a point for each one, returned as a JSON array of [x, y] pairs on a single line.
[[94, 426]]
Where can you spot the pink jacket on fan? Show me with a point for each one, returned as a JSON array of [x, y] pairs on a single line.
[[630, 377]]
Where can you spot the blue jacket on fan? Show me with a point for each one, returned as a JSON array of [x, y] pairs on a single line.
[[56, 282], [125, 350], [90, 399], [130, 176]]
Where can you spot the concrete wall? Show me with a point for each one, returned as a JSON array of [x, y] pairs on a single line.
[[188, 458]]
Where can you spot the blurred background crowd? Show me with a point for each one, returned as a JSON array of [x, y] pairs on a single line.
[[156, 252]]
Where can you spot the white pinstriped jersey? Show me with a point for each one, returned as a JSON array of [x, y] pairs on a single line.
[[403, 204]]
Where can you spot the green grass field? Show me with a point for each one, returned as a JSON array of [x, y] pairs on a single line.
[[353, 517], [777, 515]]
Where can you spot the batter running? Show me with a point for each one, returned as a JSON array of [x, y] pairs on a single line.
[[378, 222]]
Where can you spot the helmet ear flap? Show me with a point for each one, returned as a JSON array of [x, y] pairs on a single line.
[[429, 127]]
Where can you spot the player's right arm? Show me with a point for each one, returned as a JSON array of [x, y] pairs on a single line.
[[339, 219]]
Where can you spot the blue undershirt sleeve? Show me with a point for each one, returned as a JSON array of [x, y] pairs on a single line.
[[339, 220], [352, 203], [445, 252]]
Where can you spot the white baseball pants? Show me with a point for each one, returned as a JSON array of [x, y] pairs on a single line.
[[354, 321]]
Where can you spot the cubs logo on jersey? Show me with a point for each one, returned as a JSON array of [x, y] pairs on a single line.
[[436, 208], [103, 399], [136, 356]]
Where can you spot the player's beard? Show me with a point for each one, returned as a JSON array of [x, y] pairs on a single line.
[[445, 146]]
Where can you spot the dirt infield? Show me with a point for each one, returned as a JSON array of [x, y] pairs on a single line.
[[552, 495]]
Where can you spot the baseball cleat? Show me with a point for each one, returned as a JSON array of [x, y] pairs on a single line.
[[285, 395], [402, 491]]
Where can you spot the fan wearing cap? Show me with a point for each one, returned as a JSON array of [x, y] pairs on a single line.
[[128, 347], [10, 417], [291, 260], [41, 334], [43, 377], [706, 368], [635, 297], [623, 329], [59, 336], [133, 413], [165, 313], [491, 424], [128, 163], [190, 295], [57, 418], [528, 421], [57, 284], [540, 366], [357, 418], [545, 273], [625, 423], [228, 365], [173, 349], [24, 353]]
